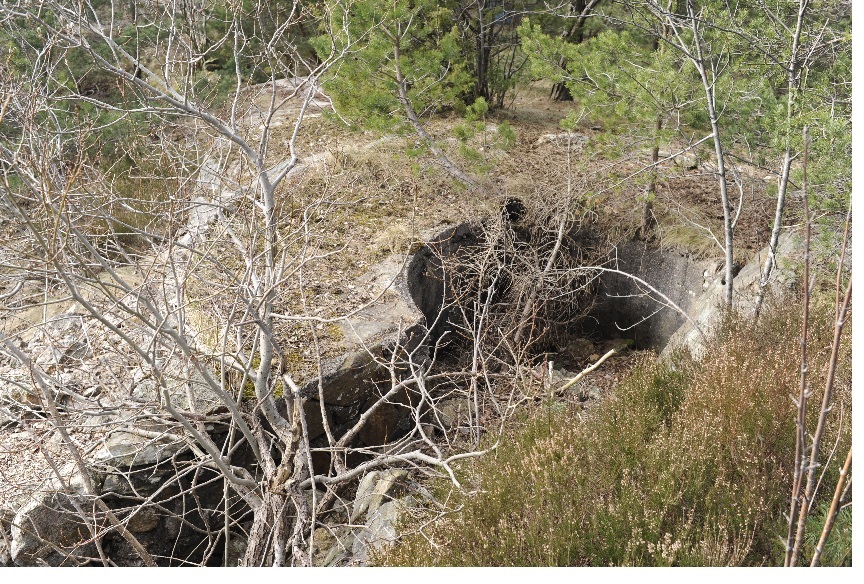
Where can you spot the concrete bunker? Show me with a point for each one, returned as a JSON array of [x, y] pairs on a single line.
[[620, 307]]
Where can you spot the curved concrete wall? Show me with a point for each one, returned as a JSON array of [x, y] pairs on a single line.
[[625, 309]]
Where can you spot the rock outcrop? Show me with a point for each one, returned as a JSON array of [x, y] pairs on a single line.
[[706, 309]]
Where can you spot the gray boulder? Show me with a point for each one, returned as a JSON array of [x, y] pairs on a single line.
[[452, 412], [377, 507], [123, 450], [706, 309], [6, 517], [5, 555], [59, 341], [380, 531], [16, 391], [376, 488], [50, 530]]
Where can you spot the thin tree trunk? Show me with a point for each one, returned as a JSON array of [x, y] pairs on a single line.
[[832, 512], [648, 221], [270, 524], [708, 85], [803, 391], [574, 33], [809, 493], [794, 67], [806, 499], [482, 82]]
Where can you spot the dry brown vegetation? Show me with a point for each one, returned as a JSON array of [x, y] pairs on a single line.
[[684, 463]]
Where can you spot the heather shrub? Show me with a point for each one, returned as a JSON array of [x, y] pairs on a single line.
[[685, 464]]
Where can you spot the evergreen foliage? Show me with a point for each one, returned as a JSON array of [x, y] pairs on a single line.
[[364, 87]]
